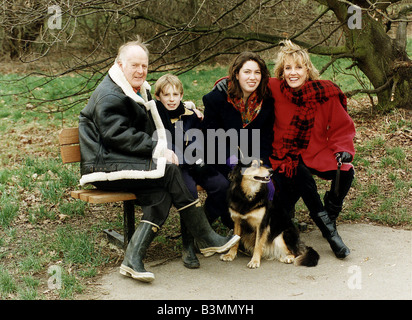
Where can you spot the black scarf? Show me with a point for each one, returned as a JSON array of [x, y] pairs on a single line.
[[176, 113], [168, 115]]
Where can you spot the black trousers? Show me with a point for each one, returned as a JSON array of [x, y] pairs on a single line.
[[155, 196], [304, 185]]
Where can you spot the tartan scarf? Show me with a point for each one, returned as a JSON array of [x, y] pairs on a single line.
[[248, 110], [296, 139]]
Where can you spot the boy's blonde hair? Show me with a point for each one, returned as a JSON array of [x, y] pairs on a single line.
[[298, 54], [168, 79]]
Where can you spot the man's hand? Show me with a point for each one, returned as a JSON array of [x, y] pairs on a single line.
[[221, 85], [198, 113], [171, 157]]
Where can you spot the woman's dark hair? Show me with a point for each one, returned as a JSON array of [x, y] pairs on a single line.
[[234, 90]]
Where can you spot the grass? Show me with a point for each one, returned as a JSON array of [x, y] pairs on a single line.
[[34, 207], [42, 228], [384, 191]]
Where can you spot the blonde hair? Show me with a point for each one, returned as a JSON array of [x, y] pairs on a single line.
[[298, 54], [166, 80]]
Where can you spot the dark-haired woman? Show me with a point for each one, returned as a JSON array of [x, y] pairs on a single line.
[[241, 119]]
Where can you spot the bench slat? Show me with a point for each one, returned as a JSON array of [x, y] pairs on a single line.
[[111, 197], [69, 136], [70, 153], [76, 193], [100, 196]]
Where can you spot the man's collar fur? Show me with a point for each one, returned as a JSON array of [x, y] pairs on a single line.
[[117, 75]]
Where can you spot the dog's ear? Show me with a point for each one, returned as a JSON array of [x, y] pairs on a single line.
[[246, 161], [234, 173]]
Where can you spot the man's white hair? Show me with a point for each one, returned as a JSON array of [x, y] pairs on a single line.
[[123, 48]]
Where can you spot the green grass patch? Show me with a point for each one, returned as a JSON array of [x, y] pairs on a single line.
[[77, 247]]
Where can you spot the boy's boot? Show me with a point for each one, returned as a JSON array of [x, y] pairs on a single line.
[[208, 241], [132, 265], [188, 252], [328, 229]]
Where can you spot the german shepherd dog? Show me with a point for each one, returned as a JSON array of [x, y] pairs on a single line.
[[265, 228]]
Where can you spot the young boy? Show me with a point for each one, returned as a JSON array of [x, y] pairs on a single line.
[[179, 117]]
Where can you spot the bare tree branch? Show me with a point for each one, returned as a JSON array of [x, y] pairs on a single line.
[[190, 33]]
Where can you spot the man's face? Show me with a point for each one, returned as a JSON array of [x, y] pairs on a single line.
[[134, 65]]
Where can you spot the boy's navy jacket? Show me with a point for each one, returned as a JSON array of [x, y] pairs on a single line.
[[178, 122]]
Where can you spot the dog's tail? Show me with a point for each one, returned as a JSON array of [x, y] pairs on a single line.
[[309, 258]]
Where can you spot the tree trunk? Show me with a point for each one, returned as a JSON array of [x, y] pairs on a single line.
[[380, 58]]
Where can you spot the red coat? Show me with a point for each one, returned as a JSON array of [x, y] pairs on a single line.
[[333, 130]]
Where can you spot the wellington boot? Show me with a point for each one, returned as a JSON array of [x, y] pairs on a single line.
[[132, 265], [188, 252], [328, 229], [208, 241]]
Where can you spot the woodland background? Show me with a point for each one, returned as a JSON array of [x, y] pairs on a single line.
[[50, 64]]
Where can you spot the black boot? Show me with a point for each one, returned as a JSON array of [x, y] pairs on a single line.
[[207, 239], [188, 253], [132, 265], [332, 206], [328, 229]]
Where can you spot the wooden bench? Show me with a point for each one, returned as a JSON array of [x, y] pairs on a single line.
[[70, 153]]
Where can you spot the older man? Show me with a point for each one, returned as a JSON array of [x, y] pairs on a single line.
[[119, 152]]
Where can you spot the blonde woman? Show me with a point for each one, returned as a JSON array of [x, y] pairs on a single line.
[[313, 135]]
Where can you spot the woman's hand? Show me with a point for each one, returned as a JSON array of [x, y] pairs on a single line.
[[343, 156]]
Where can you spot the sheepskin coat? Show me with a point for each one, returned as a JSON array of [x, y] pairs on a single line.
[[121, 133]]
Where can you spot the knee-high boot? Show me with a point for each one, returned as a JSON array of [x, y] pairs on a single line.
[[188, 252], [132, 264], [207, 239], [332, 206], [328, 229]]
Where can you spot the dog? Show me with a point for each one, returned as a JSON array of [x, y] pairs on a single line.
[[265, 229]]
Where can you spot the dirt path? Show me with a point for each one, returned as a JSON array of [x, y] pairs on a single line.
[[379, 267]]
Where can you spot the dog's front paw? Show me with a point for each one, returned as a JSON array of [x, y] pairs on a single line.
[[230, 256], [253, 264]]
